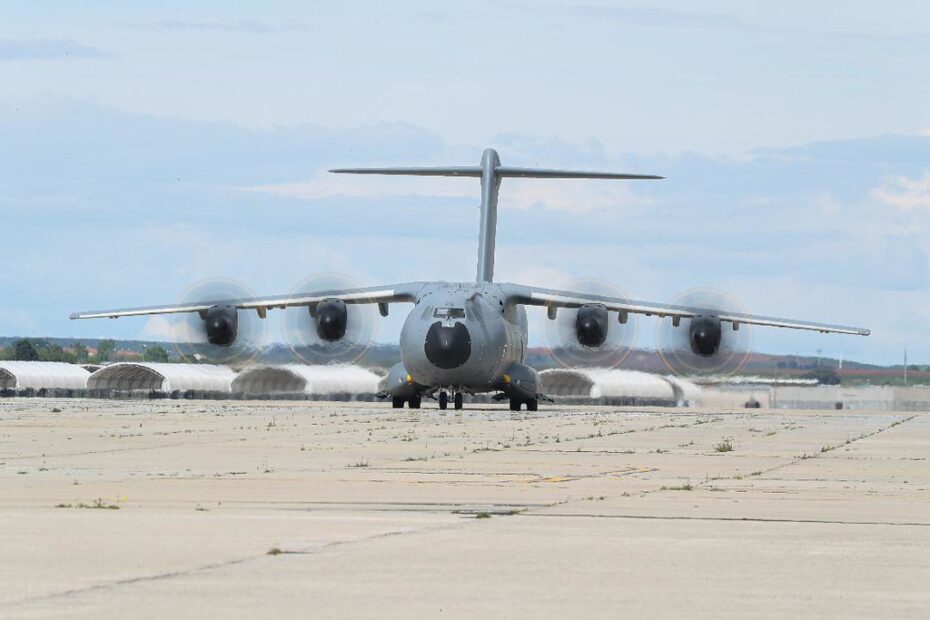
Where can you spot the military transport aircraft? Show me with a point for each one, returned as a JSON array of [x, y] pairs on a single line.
[[470, 337]]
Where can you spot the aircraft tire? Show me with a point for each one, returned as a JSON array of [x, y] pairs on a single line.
[[414, 402], [458, 401], [398, 403], [515, 404], [532, 404], [443, 400]]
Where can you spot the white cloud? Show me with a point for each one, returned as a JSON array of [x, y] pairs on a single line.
[[905, 193], [569, 196]]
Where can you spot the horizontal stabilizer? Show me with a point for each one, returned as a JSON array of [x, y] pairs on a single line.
[[544, 173], [500, 171], [454, 171]]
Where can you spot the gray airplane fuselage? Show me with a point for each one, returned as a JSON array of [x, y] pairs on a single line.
[[463, 336]]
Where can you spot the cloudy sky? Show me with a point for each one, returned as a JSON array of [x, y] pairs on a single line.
[[145, 148]]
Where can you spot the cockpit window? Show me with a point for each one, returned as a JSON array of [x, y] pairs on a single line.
[[449, 313]]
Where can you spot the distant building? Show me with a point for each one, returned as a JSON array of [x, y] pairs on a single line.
[[39, 376], [327, 381], [127, 377]]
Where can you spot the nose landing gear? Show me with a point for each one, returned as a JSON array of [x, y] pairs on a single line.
[[457, 400]]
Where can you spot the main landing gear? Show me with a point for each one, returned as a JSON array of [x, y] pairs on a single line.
[[457, 400], [532, 404], [413, 402]]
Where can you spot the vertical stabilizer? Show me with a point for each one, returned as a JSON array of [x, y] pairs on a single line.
[[490, 188]]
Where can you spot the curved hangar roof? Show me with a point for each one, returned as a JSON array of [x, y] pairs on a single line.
[[303, 379], [162, 377], [610, 383], [42, 375]]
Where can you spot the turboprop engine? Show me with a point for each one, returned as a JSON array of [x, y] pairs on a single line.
[[583, 336], [704, 344], [332, 319], [591, 325], [222, 325], [704, 335]]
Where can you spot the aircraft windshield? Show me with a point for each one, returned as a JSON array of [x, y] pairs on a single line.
[[449, 313]]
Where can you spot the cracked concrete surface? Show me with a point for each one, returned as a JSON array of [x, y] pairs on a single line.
[[167, 508]]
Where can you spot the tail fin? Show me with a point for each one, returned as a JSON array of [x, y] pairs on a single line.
[[491, 172]]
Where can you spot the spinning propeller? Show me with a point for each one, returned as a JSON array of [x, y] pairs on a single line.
[[589, 336], [222, 334], [704, 345], [331, 332]]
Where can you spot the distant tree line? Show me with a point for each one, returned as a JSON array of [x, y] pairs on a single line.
[[39, 350], [824, 376]]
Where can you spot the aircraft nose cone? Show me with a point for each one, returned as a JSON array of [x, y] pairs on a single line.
[[704, 342], [329, 327], [447, 347], [218, 331], [590, 333]]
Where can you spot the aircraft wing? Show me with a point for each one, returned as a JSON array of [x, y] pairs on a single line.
[[532, 296], [404, 292]]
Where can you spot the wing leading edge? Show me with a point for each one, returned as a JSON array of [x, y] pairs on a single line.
[[532, 296], [395, 293]]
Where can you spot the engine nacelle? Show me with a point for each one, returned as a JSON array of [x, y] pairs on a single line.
[[222, 325], [591, 325], [705, 335], [332, 318]]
